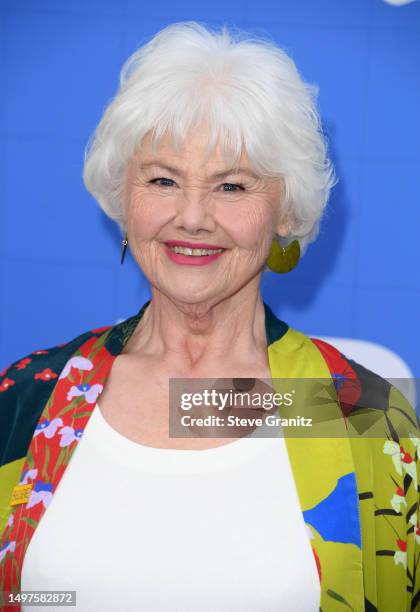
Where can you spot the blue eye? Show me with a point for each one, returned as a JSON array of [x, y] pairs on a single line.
[[236, 187], [163, 184]]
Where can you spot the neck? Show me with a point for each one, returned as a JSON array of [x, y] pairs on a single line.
[[198, 334]]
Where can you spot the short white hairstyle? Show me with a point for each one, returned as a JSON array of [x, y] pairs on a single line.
[[245, 88]]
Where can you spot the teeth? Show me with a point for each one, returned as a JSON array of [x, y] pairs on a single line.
[[194, 252]]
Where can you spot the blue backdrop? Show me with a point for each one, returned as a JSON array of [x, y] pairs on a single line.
[[59, 66]]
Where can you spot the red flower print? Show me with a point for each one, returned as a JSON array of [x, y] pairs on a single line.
[[345, 379], [402, 545], [6, 383], [46, 374], [23, 363], [406, 457], [400, 492], [4, 372], [99, 330], [318, 564], [40, 353]]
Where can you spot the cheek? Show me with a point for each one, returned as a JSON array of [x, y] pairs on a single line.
[[147, 214], [251, 224]]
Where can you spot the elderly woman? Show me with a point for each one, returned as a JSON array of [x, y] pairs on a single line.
[[212, 161]]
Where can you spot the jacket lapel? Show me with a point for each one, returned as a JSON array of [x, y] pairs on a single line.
[[323, 470]]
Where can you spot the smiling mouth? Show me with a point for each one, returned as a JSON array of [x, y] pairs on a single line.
[[189, 252]]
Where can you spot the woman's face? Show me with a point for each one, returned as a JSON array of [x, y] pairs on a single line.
[[178, 202]]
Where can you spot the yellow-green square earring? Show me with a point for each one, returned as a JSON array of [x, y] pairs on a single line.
[[283, 259]]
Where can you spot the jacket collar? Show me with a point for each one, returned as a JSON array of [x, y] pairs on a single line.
[[120, 333]]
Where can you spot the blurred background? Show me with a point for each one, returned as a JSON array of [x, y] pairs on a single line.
[[60, 256]]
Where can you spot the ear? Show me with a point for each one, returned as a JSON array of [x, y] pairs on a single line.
[[283, 228], [284, 220]]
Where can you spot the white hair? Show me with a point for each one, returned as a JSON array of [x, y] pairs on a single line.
[[247, 90]]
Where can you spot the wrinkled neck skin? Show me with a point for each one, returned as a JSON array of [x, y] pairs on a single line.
[[199, 335]]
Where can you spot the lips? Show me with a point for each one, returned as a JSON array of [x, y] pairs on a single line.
[[192, 253], [193, 245]]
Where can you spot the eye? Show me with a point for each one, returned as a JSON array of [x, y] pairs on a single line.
[[167, 183], [233, 187]]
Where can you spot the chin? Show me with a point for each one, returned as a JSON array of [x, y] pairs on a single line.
[[193, 294]]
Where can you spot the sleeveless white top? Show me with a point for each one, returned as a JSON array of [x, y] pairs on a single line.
[[131, 527]]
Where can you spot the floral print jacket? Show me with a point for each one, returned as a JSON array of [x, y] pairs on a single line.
[[358, 489]]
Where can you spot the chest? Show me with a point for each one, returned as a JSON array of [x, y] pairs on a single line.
[[136, 398]]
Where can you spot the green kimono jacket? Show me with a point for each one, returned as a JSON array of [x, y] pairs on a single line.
[[358, 488]]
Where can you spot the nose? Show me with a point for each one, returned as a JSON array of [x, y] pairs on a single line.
[[194, 212]]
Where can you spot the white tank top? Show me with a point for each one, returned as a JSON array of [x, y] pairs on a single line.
[[131, 527]]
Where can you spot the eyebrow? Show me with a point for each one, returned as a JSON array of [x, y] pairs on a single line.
[[217, 175]]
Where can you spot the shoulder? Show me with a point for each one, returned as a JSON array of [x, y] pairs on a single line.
[[25, 386], [373, 403], [360, 390], [41, 365]]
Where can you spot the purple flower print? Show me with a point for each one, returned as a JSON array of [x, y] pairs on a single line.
[[90, 392], [42, 492], [6, 547], [32, 474], [69, 435], [81, 363], [48, 428]]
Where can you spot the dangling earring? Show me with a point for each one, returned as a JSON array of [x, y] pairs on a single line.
[[124, 243], [283, 259]]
